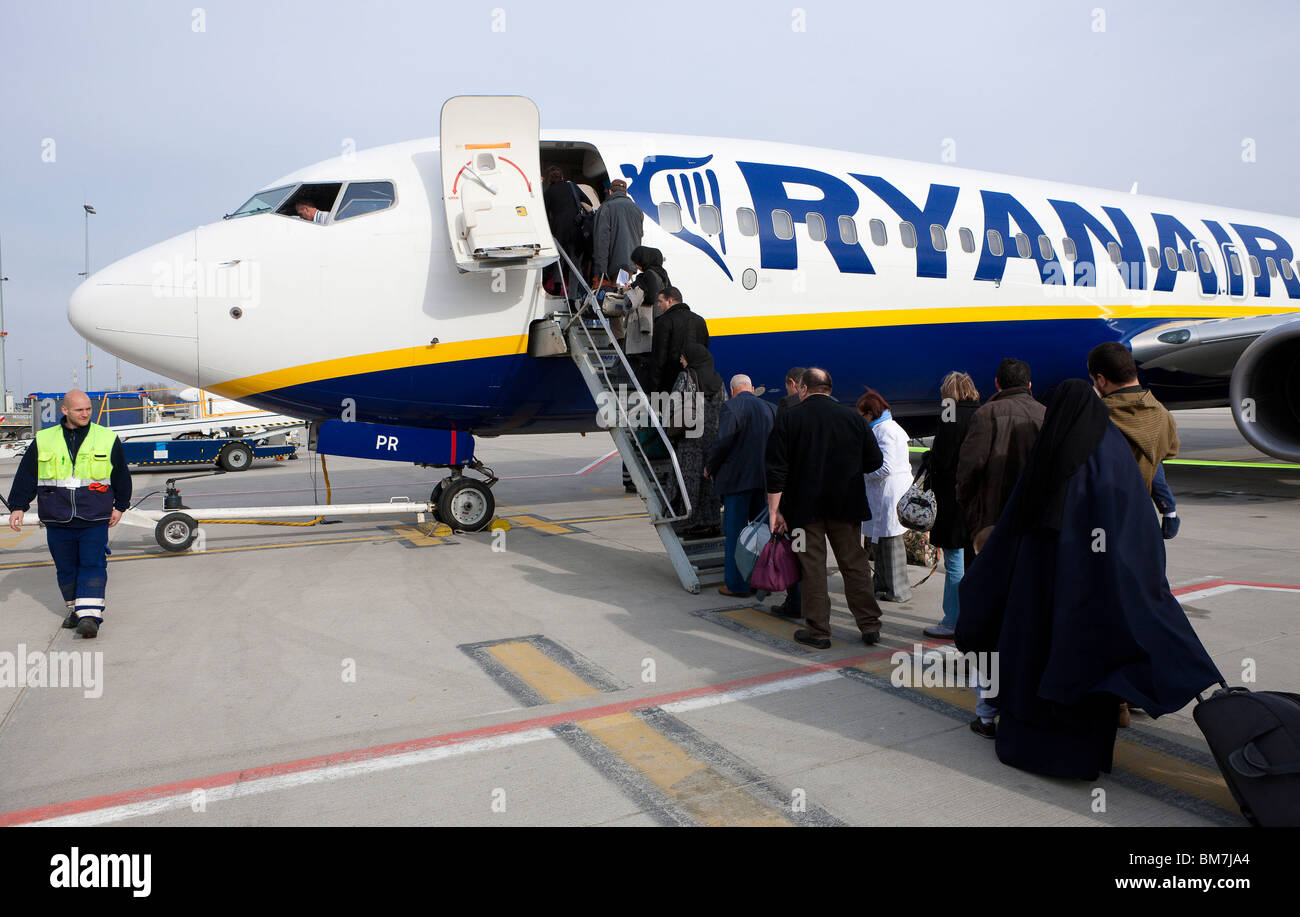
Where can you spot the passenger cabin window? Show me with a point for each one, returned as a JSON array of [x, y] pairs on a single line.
[[1272, 267], [1236, 264], [1067, 246], [967, 239], [878, 232], [710, 219], [747, 221], [1115, 254], [995, 243], [362, 197], [816, 227], [908, 234], [1254, 266], [1286, 270], [1153, 256], [670, 217], [1045, 248], [848, 231], [938, 238], [1171, 258], [782, 224], [1188, 263], [1205, 261], [1022, 245]]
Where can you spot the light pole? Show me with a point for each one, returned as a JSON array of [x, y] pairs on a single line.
[[89, 210], [21, 389], [4, 387]]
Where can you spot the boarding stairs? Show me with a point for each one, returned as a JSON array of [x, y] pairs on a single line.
[[604, 367]]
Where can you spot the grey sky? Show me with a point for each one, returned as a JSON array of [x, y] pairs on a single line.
[[163, 128]]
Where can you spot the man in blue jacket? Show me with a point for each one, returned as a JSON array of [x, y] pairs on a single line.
[[736, 467], [76, 471]]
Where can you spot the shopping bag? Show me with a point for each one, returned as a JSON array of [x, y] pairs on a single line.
[[777, 569]]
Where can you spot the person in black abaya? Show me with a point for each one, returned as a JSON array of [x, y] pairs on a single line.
[[1070, 591]]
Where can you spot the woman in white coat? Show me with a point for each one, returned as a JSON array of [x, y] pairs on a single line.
[[885, 487]]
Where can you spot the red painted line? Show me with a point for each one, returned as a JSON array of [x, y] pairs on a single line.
[[1215, 583], [109, 800]]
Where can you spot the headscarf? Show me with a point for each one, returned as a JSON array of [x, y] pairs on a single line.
[[647, 257], [1073, 428], [699, 359]]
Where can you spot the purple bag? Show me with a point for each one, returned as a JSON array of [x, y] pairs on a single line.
[[777, 569]]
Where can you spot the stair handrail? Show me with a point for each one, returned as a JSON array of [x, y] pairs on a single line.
[[589, 301]]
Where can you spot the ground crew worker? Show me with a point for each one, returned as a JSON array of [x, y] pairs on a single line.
[[78, 475]]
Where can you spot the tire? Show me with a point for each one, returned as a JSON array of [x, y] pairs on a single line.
[[175, 532], [235, 457], [435, 497], [466, 505]]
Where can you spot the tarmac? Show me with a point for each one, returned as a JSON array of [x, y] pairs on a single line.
[[369, 672]]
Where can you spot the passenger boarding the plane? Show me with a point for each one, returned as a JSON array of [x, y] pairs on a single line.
[[310, 213]]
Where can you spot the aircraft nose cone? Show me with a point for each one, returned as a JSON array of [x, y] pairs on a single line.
[[139, 309], [81, 311]]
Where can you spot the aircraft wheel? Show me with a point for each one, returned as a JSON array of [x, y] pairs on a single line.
[[235, 457], [466, 505], [175, 532], [435, 497]]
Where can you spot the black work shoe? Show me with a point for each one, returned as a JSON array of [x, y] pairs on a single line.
[[785, 611], [872, 638], [88, 627], [808, 638], [981, 728], [71, 620]]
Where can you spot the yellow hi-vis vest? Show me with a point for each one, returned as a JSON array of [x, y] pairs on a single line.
[[83, 489]]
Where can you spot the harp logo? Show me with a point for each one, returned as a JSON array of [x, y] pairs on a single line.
[[688, 183]]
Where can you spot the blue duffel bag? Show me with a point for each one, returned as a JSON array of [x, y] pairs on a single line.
[[753, 538]]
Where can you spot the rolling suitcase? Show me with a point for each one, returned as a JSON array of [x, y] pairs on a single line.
[[1255, 738]]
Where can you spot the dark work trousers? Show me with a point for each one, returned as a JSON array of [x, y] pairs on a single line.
[[846, 543], [81, 565], [737, 510]]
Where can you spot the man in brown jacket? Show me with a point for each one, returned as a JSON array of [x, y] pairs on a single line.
[[1145, 422], [995, 449]]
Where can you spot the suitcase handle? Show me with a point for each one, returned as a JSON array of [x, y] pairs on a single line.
[[1249, 761], [1201, 700]]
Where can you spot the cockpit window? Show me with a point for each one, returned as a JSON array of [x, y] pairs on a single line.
[[262, 202], [318, 198], [365, 197]]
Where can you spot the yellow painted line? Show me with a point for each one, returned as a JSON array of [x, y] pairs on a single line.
[[507, 345], [541, 673], [115, 559], [1192, 779], [532, 522], [710, 798], [417, 535], [602, 518], [757, 620], [690, 782]]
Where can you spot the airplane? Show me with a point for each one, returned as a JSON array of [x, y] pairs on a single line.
[[416, 306]]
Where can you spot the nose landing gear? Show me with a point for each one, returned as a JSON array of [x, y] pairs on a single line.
[[466, 504]]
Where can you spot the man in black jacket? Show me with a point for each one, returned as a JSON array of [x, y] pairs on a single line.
[[816, 457], [674, 327], [736, 465]]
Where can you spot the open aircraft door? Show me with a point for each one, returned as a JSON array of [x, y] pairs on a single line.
[[491, 183]]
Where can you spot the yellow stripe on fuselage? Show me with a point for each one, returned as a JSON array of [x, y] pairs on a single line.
[[482, 348]]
